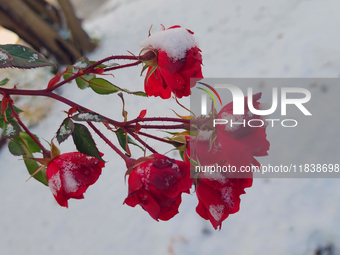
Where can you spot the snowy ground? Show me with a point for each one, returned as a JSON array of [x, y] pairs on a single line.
[[238, 39]]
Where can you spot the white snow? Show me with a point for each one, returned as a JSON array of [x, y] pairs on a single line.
[[55, 183], [3, 56], [64, 131], [216, 211], [88, 116], [226, 195], [33, 58], [175, 167], [70, 184], [244, 39], [10, 130], [204, 135], [175, 42], [234, 121], [80, 65]]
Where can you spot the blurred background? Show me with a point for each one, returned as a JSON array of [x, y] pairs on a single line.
[[244, 39]]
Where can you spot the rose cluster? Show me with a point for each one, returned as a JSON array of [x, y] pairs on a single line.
[[156, 182]]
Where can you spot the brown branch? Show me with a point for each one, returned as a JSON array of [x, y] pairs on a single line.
[[38, 32], [79, 37], [45, 10]]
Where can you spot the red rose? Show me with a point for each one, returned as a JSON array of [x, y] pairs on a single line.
[[219, 196], [241, 142], [232, 146], [157, 184], [178, 60], [70, 174], [218, 193]]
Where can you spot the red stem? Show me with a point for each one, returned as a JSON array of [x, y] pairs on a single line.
[[141, 141], [158, 119], [46, 153], [100, 134], [113, 122], [122, 66], [56, 97], [111, 58], [157, 138], [64, 81], [91, 67], [180, 126]]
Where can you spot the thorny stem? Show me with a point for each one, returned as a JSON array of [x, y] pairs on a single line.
[[126, 126], [100, 134], [141, 141], [65, 81], [46, 153], [111, 121], [158, 119], [56, 97], [158, 138], [111, 58], [90, 68], [122, 66], [180, 126]]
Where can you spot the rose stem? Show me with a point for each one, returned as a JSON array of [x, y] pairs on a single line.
[[158, 119], [46, 153], [180, 126], [158, 138], [141, 141], [91, 67], [100, 134]]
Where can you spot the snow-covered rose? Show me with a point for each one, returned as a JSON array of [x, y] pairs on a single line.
[[219, 196], [241, 142], [70, 174], [178, 60], [157, 184]]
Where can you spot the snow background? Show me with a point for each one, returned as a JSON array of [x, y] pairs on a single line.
[[238, 39]]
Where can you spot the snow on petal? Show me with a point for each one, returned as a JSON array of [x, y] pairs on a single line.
[[175, 42]]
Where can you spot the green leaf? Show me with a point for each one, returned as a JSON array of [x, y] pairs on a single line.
[[193, 162], [83, 84], [4, 81], [31, 164], [99, 66], [88, 116], [8, 112], [15, 148], [84, 142], [10, 129], [5, 59], [30, 142], [25, 57], [104, 87], [138, 93], [181, 153], [66, 75], [122, 139], [82, 63], [65, 130]]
